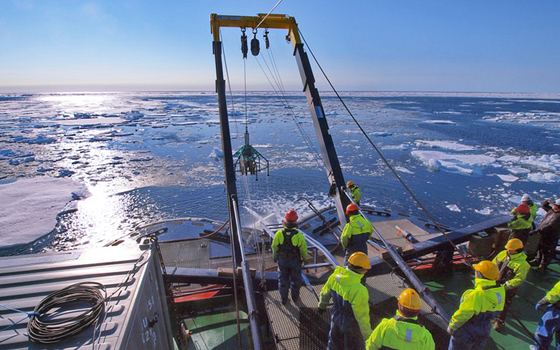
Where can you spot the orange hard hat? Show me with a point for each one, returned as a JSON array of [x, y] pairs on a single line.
[[351, 207], [291, 216]]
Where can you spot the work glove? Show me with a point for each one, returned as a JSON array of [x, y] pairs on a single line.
[[450, 331], [541, 303]]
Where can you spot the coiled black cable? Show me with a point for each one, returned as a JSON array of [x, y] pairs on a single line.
[[48, 324]]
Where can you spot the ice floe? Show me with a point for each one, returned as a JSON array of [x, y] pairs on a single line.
[[439, 121], [462, 163], [33, 207], [450, 145], [453, 207]]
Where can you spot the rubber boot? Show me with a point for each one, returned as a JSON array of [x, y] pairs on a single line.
[[295, 296]]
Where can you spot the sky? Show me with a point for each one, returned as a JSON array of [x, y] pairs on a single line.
[[362, 45]]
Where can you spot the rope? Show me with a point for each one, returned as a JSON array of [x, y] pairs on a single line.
[[245, 84], [279, 91], [383, 157], [52, 331], [268, 14], [528, 332], [218, 230], [229, 83], [28, 315]]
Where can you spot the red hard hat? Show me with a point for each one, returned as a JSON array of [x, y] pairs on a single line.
[[523, 209], [291, 216], [351, 207]]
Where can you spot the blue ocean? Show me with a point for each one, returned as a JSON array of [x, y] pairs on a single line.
[[148, 156]]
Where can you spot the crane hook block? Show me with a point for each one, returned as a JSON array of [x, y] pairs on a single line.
[[255, 46], [266, 41], [244, 47]]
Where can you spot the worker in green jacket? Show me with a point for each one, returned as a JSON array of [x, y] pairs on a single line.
[[528, 201], [550, 321], [402, 332], [520, 224], [355, 233], [289, 249], [350, 323], [354, 191], [513, 266], [470, 326]]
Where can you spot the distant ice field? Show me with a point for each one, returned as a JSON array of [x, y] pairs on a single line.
[[157, 155]]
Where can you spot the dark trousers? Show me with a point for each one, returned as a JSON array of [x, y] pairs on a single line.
[[345, 339], [547, 249], [510, 294], [289, 274], [522, 235], [473, 334]]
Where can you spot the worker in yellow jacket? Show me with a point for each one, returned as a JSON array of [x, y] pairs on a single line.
[[355, 233], [513, 266], [470, 326], [402, 332], [354, 191], [550, 321], [289, 249], [350, 323]]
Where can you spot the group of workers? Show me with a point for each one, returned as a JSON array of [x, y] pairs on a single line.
[[495, 286]]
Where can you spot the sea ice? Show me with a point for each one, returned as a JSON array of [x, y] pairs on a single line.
[[434, 165], [543, 177], [450, 145], [507, 178], [453, 207], [439, 121], [33, 207], [484, 211], [518, 171], [463, 163]]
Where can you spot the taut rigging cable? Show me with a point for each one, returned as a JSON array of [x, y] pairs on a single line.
[[280, 92], [229, 83]]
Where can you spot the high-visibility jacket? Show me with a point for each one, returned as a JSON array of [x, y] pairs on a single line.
[[356, 195], [521, 222], [553, 296], [289, 244], [350, 299], [479, 305], [515, 272], [400, 333], [357, 226], [534, 209]]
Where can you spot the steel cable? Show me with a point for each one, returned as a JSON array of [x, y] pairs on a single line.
[[383, 157]]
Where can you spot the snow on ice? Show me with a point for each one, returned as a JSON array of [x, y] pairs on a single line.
[[30, 207]]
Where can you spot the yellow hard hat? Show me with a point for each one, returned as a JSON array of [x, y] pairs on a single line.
[[359, 259], [514, 244], [349, 184], [488, 269], [410, 299]]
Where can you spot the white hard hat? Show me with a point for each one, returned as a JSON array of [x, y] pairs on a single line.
[[526, 198], [557, 202]]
